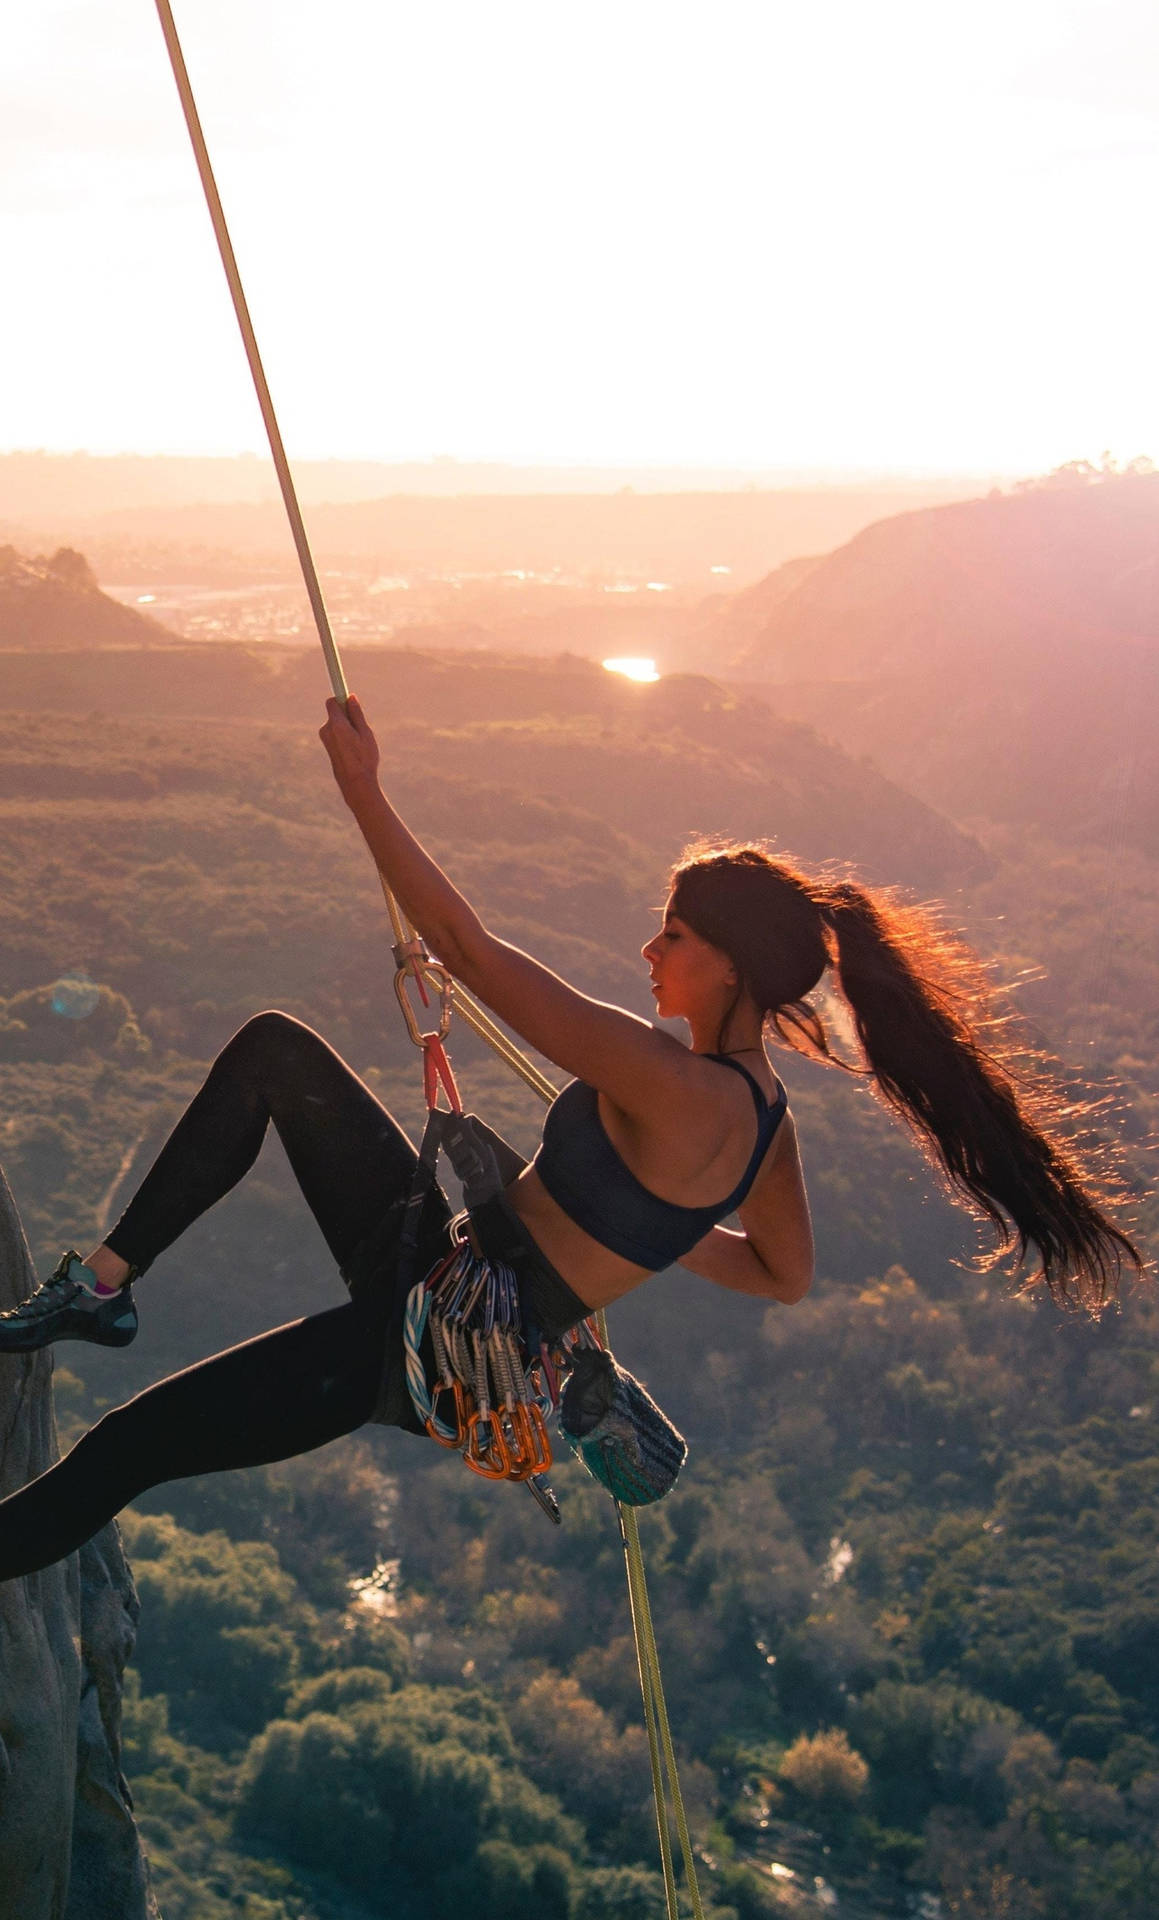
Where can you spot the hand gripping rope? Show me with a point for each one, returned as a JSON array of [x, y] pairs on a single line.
[[413, 962]]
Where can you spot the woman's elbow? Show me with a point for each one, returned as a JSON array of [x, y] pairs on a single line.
[[460, 945], [790, 1288]]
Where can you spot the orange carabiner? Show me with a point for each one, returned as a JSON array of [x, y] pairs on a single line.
[[489, 1456], [531, 1452], [540, 1436], [521, 1445]]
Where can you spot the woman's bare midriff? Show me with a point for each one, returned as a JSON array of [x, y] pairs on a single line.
[[596, 1274]]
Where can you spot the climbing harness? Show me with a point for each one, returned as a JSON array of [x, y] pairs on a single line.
[[414, 964], [480, 1377]]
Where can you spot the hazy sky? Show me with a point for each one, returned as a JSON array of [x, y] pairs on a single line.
[[734, 231]]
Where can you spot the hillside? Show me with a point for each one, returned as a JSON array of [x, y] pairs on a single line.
[[56, 603], [1014, 581], [673, 759], [999, 657]]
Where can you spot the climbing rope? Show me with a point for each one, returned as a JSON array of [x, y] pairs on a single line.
[[413, 962]]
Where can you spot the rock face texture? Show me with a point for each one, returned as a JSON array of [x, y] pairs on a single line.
[[69, 1846]]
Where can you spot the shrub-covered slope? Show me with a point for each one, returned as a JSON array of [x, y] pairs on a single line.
[[1000, 656], [55, 603]]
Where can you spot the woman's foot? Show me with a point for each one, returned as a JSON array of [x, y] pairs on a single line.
[[68, 1306]]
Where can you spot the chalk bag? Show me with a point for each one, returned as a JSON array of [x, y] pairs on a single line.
[[618, 1431]]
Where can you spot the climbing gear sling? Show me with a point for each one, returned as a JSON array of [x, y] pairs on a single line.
[[414, 963]]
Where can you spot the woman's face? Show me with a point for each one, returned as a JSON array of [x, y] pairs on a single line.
[[689, 975]]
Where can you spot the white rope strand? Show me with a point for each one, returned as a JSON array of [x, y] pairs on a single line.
[[249, 340]]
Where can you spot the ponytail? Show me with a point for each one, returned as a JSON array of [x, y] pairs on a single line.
[[930, 1067], [920, 1004]]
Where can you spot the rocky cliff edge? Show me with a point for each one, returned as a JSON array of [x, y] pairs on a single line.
[[69, 1845]]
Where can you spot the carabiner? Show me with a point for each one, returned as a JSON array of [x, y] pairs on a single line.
[[532, 1450], [487, 1456], [538, 1426], [463, 1416], [418, 966]]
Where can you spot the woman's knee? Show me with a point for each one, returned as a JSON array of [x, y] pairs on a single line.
[[268, 1041], [270, 1029]]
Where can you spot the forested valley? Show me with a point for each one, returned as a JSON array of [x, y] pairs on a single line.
[[906, 1591]]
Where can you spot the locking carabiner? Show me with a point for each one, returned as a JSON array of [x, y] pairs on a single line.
[[413, 962]]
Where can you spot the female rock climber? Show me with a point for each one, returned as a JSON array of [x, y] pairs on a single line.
[[644, 1154]]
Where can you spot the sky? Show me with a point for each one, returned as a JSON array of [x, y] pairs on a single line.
[[752, 233]]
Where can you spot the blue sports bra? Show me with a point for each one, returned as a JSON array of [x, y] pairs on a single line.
[[584, 1175]]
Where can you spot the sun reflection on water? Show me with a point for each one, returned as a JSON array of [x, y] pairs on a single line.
[[633, 667]]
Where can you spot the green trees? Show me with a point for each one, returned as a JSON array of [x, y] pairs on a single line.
[[217, 1634], [414, 1797]]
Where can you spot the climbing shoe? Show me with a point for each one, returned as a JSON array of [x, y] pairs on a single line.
[[67, 1307]]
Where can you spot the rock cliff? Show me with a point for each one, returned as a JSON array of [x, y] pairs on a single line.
[[69, 1846]]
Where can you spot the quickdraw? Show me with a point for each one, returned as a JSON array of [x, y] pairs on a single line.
[[489, 1398]]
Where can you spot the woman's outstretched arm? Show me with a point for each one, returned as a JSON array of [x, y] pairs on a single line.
[[447, 922], [622, 1055]]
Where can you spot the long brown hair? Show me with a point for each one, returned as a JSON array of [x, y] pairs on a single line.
[[920, 1002]]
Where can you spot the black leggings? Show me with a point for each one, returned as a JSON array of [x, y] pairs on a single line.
[[286, 1391]]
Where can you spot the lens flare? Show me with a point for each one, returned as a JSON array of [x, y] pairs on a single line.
[[75, 996]]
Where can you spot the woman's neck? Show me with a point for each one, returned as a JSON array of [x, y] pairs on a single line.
[[741, 1035]]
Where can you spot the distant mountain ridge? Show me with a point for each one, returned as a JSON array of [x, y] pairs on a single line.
[[1013, 579], [997, 657], [667, 537], [41, 485], [56, 603]]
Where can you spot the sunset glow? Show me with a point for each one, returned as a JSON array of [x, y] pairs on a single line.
[[903, 237]]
